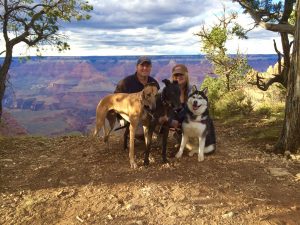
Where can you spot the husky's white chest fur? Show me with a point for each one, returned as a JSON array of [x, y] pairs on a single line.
[[194, 127]]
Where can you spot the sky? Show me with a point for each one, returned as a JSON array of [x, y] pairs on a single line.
[[153, 27]]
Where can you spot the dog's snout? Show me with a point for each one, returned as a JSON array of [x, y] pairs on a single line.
[[195, 103], [153, 106]]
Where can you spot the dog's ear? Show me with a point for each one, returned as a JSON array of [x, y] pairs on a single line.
[[205, 91], [194, 89], [166, 82]]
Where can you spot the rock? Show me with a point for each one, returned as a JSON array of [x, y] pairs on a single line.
[[297, 177], [110, 217], [279, 172], [269, 147], [228, 215]]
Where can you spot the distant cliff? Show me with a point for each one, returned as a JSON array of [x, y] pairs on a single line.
[[9, 126]]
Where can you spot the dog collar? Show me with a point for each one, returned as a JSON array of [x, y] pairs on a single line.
[[203, 120]]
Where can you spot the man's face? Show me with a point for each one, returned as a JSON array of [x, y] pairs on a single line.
[[143, 69]]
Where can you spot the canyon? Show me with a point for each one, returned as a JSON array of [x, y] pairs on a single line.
[[58, 95]]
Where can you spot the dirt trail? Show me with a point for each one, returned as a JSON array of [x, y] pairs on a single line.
[[75, 180]]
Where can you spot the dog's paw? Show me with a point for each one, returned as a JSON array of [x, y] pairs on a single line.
[[146, 162], [166, 166], [105, 139], [178, 155], [165, 161], [133, 165], [200, 158]]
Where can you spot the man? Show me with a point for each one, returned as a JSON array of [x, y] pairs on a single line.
[[135, 83]]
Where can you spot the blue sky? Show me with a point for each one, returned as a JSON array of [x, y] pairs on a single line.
[[153, 27]]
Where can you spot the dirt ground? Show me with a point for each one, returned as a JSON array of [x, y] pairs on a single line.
[[76, 180]]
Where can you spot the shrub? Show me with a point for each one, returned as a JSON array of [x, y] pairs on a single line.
[[215, 90], [264, 110], [233, 103]]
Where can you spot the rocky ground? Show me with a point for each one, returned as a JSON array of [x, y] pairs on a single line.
[[76, 180]]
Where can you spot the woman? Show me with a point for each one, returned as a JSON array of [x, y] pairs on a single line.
[[180, 74]]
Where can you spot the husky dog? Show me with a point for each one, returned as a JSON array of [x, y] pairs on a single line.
[[197, 123]]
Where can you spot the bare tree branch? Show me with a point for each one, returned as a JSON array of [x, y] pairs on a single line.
[[257, 17], [264, 86]]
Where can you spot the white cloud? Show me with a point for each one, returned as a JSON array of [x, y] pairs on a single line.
[[136, 27]]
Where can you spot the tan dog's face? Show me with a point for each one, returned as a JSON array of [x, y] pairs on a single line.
[[149, 96]]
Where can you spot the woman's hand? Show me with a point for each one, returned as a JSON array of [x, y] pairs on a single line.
[[163, 119], [175, 124]]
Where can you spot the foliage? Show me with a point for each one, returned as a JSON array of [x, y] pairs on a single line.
[[215, 91], [264, 110], [277, 16], [292, 18], [234, 103], [230, 69], [37, 24]]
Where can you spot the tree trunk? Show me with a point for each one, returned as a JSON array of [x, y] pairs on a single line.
[[2, 91], [289, 139], [3, 76]]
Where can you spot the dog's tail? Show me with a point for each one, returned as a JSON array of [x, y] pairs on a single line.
[[98, 122], [210, 149], [95, 131], [97, 128]]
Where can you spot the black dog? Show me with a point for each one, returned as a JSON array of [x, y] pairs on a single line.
[[167, 101]]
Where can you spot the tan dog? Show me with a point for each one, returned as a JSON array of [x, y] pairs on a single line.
[[131, 107]]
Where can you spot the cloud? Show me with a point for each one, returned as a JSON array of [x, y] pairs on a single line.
[[131, 14], [136, 27]]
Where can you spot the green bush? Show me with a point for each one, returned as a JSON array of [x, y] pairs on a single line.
[[215, 90], [264, 110], [268, 109], [233, 103]]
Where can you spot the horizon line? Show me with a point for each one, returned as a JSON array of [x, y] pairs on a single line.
[[124, 55]]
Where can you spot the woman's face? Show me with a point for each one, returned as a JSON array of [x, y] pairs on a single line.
[[181, 79]]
